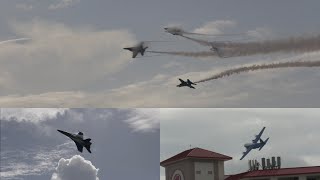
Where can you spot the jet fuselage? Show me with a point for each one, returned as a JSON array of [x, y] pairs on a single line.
[[253, 146]]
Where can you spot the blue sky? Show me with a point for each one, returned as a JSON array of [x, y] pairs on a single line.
[[125, 144], [75, 56]]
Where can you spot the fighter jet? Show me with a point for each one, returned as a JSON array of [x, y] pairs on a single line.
[[78, 139], [255, 144], [186, 83], [139, 48]]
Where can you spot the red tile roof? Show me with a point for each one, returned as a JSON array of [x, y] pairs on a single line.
[[276, 172], [195, 153]]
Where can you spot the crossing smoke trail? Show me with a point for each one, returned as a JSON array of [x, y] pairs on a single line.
[[261, 67], [14, 40], [234, 49]]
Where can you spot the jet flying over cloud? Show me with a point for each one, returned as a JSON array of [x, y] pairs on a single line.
[[78, 139]]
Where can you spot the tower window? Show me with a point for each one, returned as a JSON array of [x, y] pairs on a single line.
[[209, 172], [198, 172]]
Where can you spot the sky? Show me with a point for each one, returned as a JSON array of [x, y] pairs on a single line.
[[125, 144], [74, 57], [294, 134]]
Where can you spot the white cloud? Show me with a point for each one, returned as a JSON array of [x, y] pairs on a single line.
[[282, 87], [75, 168], [63, 4], [261, 33], [16, 164], [30, 114], [215, 27], [144, 120], [59, 57], [26, 7]]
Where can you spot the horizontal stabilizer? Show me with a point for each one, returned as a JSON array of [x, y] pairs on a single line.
[[265, 142]]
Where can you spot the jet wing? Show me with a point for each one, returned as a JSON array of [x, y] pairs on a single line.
[[65, 133], [79, 146], [181, 81], [258, 136], [134, 54], [245, 153]]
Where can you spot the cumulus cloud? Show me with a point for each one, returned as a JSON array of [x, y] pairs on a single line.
[[60, 57], [144, 120], [63, 4], [215, 27], [30, 114], [75, 168], [17, 163]]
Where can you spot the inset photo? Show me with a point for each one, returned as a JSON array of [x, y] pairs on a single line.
[[79, 144], [240, 144]]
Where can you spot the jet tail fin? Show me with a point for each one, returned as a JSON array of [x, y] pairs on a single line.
[[88, 147], [190, 82], [88, 144], [143, 50]]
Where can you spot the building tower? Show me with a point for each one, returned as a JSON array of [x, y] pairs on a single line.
[[195, 164]]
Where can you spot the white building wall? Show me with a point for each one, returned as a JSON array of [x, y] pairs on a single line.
[[221, 170], [203, 171]]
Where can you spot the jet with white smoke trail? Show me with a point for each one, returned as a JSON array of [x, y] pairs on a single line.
[[257, 67]]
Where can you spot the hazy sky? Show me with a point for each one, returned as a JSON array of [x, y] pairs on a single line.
[[125, 144], [75, 56], [292, 132]]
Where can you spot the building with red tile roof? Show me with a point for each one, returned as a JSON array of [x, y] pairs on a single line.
[[195, 164], [201, 164]]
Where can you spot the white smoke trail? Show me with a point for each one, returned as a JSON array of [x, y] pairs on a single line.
[[14, 40], [188, 54], [234, 49], [261, 67]]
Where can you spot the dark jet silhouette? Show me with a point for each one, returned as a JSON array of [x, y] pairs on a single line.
[[186, 83], [255, 144], [139, 48], [78, 139]]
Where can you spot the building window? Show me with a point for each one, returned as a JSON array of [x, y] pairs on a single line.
[[209, 172], [289, 178], [313, 177], [198, 172]]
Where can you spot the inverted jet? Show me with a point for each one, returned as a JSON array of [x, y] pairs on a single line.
[[187, 83], [78, 139], [257, 143], [139, 48]]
